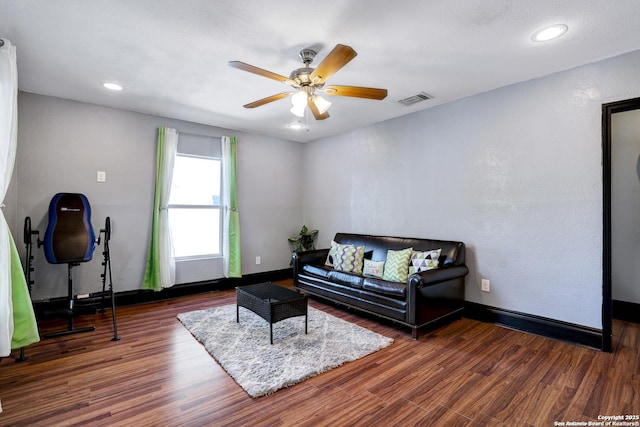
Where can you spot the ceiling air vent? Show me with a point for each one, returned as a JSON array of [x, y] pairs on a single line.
[[422, 96]]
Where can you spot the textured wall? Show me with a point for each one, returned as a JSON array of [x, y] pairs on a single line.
[[515, 173], [61, 145], [625, 206]]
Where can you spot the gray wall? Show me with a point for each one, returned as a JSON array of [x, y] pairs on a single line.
[[515, 173], [61, 146], [625, 206]]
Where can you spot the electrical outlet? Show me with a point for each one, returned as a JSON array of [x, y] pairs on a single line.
[[258, 260], [486, 285], [101, 176]]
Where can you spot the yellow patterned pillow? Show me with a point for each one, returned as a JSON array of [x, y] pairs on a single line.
[[332, 253], [396, 267], [348, 258]]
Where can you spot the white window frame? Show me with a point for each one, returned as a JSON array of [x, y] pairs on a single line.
[[216, 207]]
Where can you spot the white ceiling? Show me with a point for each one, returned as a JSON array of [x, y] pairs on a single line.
[[171, 55]]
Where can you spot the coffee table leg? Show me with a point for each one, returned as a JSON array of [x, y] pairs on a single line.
[[237, 313], [306, 321], [271, 332]]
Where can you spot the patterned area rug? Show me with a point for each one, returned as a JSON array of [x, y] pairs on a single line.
[[260, 368]]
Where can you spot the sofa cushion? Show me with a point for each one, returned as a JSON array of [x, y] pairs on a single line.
[[373, 268], [423, 261], [396, 267], [349, 258], [344, 278], [317, 270], [385, 287]]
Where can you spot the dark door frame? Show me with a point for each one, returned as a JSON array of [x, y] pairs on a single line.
[[607, 300]]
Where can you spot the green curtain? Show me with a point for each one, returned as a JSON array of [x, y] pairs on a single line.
[[25, 327], [160, 268], [231, 253]]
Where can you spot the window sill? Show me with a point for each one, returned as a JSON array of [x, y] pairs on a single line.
[[198, 258]]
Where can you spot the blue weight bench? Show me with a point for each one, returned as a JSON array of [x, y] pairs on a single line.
[[70, 239]]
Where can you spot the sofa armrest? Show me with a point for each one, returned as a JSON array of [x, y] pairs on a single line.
[[437, 275], [429, 279], [316, 256]]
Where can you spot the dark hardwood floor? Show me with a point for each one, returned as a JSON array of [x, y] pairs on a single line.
[[465, 374]]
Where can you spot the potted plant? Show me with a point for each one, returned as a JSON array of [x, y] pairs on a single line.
[[305, 241]]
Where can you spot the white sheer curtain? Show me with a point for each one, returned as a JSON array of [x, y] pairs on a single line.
[[167, 255], [8, 141], [161, 267]]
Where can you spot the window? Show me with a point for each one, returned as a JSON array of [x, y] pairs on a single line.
[[194, 206]]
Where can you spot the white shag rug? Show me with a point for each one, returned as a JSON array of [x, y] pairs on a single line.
[[244, 351]]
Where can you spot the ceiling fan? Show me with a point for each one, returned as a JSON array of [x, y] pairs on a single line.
[[308, 81]]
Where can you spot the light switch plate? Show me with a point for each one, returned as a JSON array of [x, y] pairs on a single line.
[[101, 176]]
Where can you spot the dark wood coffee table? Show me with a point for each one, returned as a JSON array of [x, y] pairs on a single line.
[[271, 302]]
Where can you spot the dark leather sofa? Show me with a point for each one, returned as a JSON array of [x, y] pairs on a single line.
[[432, 297]]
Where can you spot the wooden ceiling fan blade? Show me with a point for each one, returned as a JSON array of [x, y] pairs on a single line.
[[264, 73], [336, 59], [314, 109], [267, 100], [356, 92]]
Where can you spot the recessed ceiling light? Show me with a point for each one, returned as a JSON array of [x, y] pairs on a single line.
[[112, 86], [549, 33], [295, 126]]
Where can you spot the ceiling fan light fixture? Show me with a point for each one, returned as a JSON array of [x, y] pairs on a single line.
[[298, 110], [322, 104], [299, 99], [549, 33], [299, 102]]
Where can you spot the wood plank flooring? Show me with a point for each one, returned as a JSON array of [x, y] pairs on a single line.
[[465, 374]]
